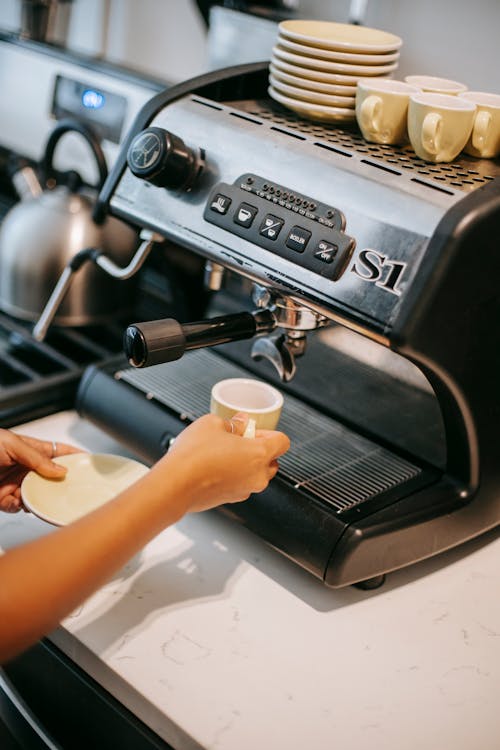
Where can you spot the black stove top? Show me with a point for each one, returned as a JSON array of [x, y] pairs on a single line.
[[38, 378]]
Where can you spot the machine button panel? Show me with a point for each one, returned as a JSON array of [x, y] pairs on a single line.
[[304, 231], [326, 251], [271, 227], [245, 215], [298, 238], [220, 203]]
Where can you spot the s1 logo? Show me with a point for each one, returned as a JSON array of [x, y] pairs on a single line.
[[379, 270]]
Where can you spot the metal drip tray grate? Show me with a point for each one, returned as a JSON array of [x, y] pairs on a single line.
[[326, 459], [464, 174]]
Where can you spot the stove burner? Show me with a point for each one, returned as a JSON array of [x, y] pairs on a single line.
[[39, 378]]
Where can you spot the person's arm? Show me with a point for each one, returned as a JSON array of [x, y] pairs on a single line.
[[43, 581]]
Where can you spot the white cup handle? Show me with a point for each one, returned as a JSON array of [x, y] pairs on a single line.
[[431, 131], [480, 129], [370, 113]]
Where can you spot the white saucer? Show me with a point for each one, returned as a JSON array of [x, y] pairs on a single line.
[[315, 97], [350, 58], [340, 36], [312, 111], [327, 66], [316, 75], [91, 481], [308, 83]]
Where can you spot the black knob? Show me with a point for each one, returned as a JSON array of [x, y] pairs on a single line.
[[154, 342], [158, 341], [160, 157]]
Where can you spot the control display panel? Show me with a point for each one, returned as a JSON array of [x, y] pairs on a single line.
[[103, 110], [288, 223]]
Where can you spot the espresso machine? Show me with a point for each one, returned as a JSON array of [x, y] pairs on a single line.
[[366, 281]]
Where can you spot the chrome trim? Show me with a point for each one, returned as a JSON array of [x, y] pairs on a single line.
[[20, 704]]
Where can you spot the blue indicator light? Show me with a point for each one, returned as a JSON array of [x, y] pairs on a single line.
[[92, 99]]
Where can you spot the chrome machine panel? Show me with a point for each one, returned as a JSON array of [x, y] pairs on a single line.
[[390, 219]]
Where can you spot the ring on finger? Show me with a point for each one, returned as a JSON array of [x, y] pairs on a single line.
[[54, 449], [230, 424]]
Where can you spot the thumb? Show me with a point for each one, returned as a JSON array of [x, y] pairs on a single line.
[[50, 470], [30, 457]]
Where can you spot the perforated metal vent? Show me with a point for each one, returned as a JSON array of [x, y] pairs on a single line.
[[464, 174]]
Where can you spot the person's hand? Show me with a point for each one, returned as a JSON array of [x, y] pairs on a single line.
[[20, 454], [220, 466]]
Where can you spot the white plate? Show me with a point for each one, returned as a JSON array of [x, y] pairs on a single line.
[[347, 102], [332, 67], [310, 85], [318, 112], [92, 479], [343, 57], [340, 36], [316, 75]]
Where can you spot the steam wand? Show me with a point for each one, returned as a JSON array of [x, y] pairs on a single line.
[[59, 292]]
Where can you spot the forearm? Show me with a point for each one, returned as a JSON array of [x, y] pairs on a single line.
[[43, 581]]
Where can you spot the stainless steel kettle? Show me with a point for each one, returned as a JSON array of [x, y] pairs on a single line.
[[42, 233]]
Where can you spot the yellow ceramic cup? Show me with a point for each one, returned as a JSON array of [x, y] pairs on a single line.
[[484, 141], [439, 126], [436, 85], [382, 108], [261, 401]]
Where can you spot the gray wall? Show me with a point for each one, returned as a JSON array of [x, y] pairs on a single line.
[[165, 38], [457, 39], [453, 38]]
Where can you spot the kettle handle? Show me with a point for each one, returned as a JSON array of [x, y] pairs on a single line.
[[65, 126]]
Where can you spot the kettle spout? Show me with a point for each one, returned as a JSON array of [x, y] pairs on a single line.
[[26, 182]]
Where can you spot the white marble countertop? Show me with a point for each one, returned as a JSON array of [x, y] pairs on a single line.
[[215, 640]]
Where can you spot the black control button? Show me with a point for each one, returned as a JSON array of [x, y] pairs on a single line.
[[326, 251], [271, 226], [298, 239], [220, 203], [245, 215]]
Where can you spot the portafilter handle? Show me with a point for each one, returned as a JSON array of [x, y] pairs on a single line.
[[158, 341]]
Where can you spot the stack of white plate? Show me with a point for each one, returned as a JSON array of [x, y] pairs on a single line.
[[316, 65]]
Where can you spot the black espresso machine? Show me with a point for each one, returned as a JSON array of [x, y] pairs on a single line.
[[390, 264]]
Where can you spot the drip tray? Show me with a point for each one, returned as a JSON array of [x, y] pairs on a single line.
[[326, 459]]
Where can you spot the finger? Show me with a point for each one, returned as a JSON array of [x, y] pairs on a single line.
[[23, 452], [11, 482], [16, 493], [273, 469], [239, 422], [10, 504], [47, 447], [277, 443]]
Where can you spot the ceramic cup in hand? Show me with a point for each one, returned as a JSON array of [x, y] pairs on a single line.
[[382, 108], [439, 126], [261, 401]]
